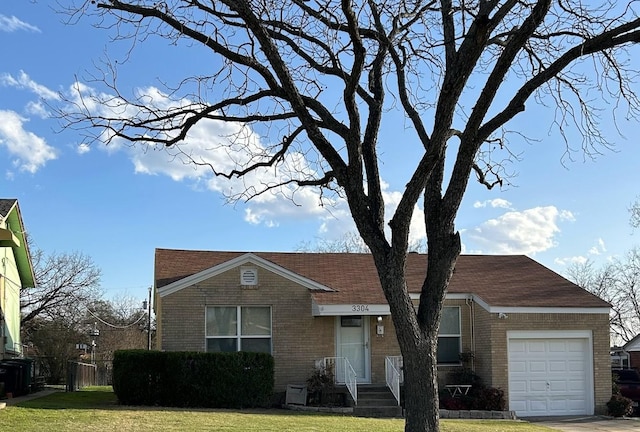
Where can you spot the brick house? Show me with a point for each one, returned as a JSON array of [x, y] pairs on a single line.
[[532, 333], [630, 352]]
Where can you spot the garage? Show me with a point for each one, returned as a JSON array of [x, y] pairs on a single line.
[[550, 373]]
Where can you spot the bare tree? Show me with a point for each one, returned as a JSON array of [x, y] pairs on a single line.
[[53, 342], [65, 283], [122, 323], [635, 214], [618, 283], [349, 242], [322, 79]]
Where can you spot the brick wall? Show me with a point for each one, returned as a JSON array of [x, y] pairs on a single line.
[[634, 359], [298, 338], [492, 364], [381, 347]]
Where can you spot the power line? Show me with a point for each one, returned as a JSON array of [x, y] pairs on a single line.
[[93, 314]]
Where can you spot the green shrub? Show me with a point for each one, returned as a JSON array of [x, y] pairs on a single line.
[[619, 406], [193, 379], [136, 375]]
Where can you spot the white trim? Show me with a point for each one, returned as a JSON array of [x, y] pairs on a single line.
[[239, 336], [549, 334], [520, 309], [562, 334], [248, 258], [632, 345], [349, 309], [448, 296], [553, 310], [453, 335]]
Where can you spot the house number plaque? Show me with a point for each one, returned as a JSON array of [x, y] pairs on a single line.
[[359, 308]]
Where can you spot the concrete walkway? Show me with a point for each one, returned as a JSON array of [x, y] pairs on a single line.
[[16, 400], [588, 424]]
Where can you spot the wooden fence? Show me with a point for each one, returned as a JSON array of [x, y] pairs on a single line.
[[80, 375]]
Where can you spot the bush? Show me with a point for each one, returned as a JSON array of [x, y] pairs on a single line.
[[193, 379], [489, 399], [451, 403], [619, 406], [465, 376], [321, 384]]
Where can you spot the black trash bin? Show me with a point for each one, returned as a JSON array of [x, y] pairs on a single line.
[[28, 373], [11, 374]]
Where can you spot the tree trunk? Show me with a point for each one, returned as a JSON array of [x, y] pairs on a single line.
[[421, 385], [417, 334], [418, 345]]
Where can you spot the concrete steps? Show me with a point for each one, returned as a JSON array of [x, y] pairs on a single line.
[[376, 401]]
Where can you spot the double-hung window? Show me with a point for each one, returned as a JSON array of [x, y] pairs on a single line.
[[238, 328], [449, 337]]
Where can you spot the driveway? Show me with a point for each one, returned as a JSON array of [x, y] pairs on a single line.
[[588, 424]]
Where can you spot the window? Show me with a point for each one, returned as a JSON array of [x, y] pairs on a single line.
[[449, 336], [238, 328]]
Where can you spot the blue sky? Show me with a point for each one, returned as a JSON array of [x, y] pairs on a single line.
[[117, 203]]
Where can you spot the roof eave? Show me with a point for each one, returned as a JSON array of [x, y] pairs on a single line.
[[235, 262], [21, 251]]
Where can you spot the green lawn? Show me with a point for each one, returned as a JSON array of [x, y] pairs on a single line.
[[96, 409]]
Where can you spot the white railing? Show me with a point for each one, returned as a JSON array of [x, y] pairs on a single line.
[[397, 363], [343, 374], [392, 373]]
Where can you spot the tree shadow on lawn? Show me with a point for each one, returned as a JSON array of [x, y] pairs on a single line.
[[104, 399]]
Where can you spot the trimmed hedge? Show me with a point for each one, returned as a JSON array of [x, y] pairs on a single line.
[[193, 379]]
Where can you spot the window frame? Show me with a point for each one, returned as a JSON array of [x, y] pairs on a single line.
[[452, 335], [238, 337]]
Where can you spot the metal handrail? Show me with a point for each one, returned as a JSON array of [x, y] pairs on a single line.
[[348, 377], [392, 375]]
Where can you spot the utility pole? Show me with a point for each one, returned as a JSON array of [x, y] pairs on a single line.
[[149, 323]]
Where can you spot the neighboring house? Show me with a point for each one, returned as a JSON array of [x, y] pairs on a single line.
[[16, 273], [534, 334], [629, 353]]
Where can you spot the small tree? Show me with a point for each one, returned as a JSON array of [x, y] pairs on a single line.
[[53, 342]]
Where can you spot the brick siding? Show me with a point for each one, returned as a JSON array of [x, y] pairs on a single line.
[[299, 338]]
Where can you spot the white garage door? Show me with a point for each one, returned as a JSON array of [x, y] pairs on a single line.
[[550, 376]]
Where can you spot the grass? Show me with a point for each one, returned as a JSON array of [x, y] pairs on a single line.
[[97, 409]]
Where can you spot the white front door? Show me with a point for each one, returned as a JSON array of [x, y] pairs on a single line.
[[352, 337]]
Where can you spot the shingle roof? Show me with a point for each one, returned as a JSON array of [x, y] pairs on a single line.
[[499, 280], [5, 206]]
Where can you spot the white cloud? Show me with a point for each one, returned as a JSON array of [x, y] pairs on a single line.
[[83, 148], [228, 146], [494, 203], [24, 82], [525, 232], [30, 151], [221, 145], [12, 23], [38, 109], [579, 260], [596, 250]]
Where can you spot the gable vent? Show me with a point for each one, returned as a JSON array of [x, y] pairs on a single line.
[[248, 276]]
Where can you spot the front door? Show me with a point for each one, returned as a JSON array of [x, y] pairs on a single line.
[[352, 337]]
